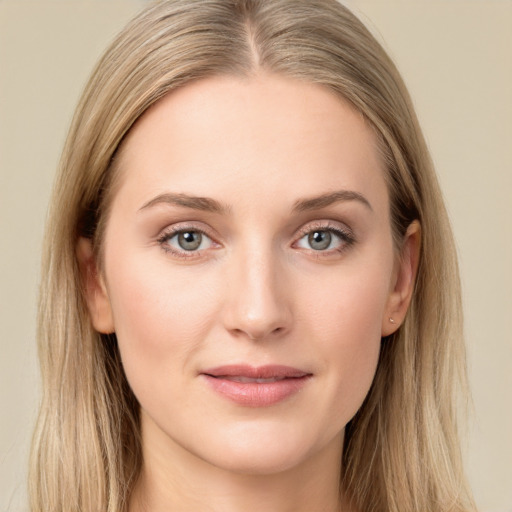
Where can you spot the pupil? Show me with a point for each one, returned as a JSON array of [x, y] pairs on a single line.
[[189, 240], [319, 240]]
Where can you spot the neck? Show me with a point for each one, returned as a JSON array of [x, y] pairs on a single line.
[[174, 480]]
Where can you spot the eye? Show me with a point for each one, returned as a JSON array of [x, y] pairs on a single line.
[[183, 241], [325, 239], [319, 240], [188, 240]]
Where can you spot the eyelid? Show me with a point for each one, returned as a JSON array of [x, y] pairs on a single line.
[[183, 227], [342, 231], [325, 225]]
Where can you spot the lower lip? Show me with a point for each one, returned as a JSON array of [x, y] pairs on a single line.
[[257, 394]]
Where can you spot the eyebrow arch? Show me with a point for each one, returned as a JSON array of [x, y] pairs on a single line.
[[196, 203], [324, 200], [211, 205]]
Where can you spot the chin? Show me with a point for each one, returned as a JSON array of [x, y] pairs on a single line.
[[264, 451], [257, 462]]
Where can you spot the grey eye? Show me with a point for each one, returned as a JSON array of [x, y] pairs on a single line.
[[319, 240], [189, 240], [186, 242]]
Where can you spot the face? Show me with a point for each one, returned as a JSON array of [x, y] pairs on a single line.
[[249, 271]]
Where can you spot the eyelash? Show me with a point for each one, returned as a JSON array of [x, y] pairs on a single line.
[[168, 234], [347, 239]]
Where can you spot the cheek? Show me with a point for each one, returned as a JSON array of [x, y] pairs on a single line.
[[347, 304], [346, 321], [156, 317]]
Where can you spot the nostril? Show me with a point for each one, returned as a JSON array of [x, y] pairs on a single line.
[[257, 311], [262, 335]]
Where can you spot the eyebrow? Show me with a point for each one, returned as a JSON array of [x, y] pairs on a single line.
[[208, 204], [324, 200], [195, 203]]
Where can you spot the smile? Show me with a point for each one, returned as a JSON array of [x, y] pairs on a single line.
[[249, 379], [256, 387]]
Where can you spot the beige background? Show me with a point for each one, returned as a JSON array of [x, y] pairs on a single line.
[[456, 57]]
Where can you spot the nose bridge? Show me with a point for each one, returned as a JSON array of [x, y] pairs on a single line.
[[257, 305]]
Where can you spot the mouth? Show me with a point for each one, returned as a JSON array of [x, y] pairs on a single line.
[[256, 386], [240, 378], [268, 372]]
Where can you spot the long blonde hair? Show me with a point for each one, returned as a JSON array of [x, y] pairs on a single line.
[[401, 450]]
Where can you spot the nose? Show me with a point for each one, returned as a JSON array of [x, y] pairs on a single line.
[[258, 300]]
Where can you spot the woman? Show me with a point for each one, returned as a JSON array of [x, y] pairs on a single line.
[[250, 295]]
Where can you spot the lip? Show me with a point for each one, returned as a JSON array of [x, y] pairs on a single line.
[[260, 386]]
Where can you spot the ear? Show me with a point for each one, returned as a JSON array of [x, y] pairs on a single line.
[[404, 277], [96, 295]]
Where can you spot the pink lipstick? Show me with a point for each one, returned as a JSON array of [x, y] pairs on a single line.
[[256, 386]]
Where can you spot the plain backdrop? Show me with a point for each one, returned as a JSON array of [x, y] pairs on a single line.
[[455, 56]]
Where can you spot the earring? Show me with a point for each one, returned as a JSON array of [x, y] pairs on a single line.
[[391, 320]]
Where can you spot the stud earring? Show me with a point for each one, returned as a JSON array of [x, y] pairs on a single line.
[[391, 320]]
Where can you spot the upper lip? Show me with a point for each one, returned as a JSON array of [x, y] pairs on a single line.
[[256, 372]]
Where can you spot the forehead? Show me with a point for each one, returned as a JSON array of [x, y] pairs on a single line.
[[258, 135]]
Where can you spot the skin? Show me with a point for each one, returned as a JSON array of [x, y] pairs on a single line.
[[257, 291]]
